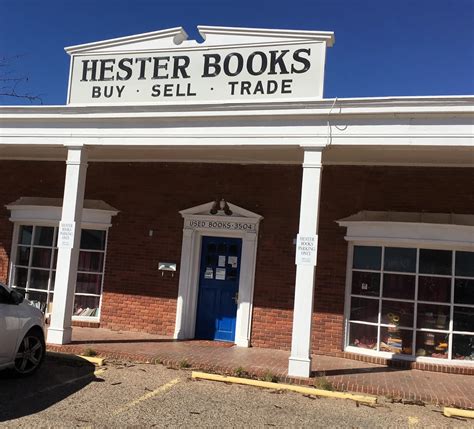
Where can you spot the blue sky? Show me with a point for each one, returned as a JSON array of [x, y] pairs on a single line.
[[383, 48]]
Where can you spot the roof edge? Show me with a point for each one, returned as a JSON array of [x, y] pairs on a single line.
[[178, 32], [340, 106], [326, 36]]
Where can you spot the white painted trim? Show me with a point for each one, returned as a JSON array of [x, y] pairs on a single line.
[[213, 37], [421, 359], [347, 296], [51, 215], [189, 269], [91, 47], [374, 106], [416, 234]]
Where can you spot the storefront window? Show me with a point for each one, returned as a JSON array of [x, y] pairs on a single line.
[[415, 302], [34, 268]]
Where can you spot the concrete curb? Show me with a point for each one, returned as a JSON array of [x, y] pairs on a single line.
[[456, 412], [97, 361], [277, 386]]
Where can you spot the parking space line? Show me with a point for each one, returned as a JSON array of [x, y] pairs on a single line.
[[149, 395], [73, 380]]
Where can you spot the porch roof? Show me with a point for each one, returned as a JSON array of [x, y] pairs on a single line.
[[429, 131]]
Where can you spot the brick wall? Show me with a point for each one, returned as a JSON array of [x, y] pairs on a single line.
[[149, 196]]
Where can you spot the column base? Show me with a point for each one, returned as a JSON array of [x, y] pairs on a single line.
[[59, 336], [181, 335], [242, 342], [299, 367]]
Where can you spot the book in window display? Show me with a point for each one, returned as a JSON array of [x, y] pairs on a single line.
[[393, 343], [86, 312], [86, 306], [363, 336], [432, 344]]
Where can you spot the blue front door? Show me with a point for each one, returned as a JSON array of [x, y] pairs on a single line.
[[218, 288]]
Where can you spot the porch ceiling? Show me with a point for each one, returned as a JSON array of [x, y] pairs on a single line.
[[214, 154], [332, 154]]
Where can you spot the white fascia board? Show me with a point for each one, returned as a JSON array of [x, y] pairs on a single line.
[[52, 214], [213, 36], [323, 36], [333, 108], [409, 233], [230, 138], [177, 34]]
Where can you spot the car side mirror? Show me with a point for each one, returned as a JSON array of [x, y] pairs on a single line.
[[16, 297]]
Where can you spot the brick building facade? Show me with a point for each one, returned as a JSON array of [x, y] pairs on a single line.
[[266, 219], [135, 298]]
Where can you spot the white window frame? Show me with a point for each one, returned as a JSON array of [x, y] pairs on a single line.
[[13, 265], [50, 216], [419, 235]]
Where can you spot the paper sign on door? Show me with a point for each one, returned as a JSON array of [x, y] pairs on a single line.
[[232, 261], [209, 273], [220, 273], [221, 261]]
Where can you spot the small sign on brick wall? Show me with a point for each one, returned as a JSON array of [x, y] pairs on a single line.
[[306, 248]]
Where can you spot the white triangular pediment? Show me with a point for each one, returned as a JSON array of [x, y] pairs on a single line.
[[205, 210], [177, 38]]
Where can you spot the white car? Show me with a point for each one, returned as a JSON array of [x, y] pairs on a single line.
[[22, 344]]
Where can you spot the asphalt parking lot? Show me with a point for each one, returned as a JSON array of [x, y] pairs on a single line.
[[65, 393]]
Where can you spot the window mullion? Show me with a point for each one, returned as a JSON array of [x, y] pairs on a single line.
[[30, 259], [48, 298], [103, 272], [348, 295], [451, 310], [415, 306], [14, 253], [379, 320]]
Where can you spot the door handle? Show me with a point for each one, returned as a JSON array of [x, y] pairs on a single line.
[[236, 297]]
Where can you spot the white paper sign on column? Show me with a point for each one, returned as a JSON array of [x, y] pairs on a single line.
[[66, 235], [306, 249]]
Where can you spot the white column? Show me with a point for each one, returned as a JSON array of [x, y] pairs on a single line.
[[300, 358], [246, 284], [69, 235], [183, 307]]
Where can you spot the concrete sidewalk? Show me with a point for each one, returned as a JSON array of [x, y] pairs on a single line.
[[343, 374]]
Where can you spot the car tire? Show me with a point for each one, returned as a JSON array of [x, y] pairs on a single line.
[[30, 354]]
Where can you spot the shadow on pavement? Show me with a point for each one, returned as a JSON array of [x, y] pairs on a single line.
[[353, 371], [54, 381]]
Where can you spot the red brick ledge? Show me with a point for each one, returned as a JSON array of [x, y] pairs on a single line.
[[343, 386], [396, 363]]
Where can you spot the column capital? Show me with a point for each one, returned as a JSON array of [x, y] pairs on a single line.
[[77, 155], [313, 157]]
